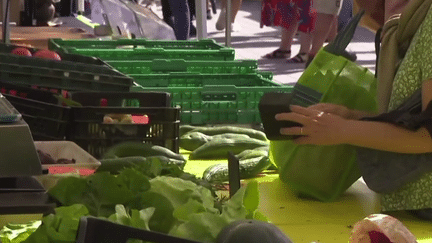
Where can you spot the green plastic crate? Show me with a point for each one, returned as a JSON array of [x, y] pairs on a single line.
[[143, 49], [202, 79], [217, 104], [159, 66]]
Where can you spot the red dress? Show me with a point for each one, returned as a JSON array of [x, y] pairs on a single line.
[[280, 12]]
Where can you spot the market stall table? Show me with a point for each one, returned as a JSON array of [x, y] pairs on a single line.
[[307, 220]]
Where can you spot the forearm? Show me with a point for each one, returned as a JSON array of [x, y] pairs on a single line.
[[357, 115], [387, 137]]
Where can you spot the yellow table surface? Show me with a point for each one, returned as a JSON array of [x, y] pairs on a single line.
[[306, 220]]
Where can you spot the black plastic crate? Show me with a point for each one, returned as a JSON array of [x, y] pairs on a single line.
[[122, 99], [74, 72], [92, 134], [29, 93], [89, 130], [43, 119], [7, 48]]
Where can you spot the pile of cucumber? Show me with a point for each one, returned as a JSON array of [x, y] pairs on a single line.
[[249, 145], [131, 154]]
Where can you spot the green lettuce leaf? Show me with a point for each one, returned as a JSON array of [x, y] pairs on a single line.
[[59, 227], [204, 226], [15, 233], [137, 219]]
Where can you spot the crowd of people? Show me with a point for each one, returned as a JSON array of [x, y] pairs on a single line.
[[315, 21]]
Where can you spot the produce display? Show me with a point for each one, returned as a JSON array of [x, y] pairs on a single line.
[[145, 197], [47, 54], [250, 146]]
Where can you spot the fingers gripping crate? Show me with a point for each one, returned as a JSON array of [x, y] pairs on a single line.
[[160, 66], [40, 110], [217, 104], [143, 49], [95, 133], [74, 72]]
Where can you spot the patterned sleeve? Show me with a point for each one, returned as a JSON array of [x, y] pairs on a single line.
[[424, 48]]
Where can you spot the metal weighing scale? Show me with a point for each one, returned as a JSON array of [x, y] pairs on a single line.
[[20, 192]]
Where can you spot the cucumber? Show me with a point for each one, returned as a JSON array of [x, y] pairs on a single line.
[[248, 168], [231, 129], [193, 140], [115, 165], [218, 148], [185, 129], [130, 149], [252, 153]]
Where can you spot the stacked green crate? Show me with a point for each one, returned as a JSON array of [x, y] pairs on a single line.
[[158, 66], [213, 98], [143, 49], [201, 75]]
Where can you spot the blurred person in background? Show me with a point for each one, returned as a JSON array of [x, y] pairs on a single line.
[[326, 29], [177, 14], [235, 7], [291, 16]]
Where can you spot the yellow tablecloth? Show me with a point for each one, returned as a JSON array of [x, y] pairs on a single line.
[[306, 220]]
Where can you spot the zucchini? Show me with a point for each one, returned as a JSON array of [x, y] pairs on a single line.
[[252, 153], [130, 149], [115, 165], [185, 129], [219, 148], [193, 140], [248, 168], [231, 129]]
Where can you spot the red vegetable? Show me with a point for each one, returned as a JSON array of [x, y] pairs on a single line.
[[21, 51], [47, 54]]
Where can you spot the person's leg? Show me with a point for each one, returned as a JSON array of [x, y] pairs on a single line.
[[305, 45], [284, 50], [322, 29], [235, 7], [180, 11], [192, 11], [333, 30], [166, 13]]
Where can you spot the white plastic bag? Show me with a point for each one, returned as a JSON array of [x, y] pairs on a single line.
[[128, 19]]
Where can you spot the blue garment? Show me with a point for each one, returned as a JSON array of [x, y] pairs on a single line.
[[176, 13]]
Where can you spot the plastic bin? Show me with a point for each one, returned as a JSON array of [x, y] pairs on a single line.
[[90, 132], [202, 79], [160, 66], [66, 75], [7, 48], [40, 110], [217, 104], [67, 150], [143, 49], [122, 99]]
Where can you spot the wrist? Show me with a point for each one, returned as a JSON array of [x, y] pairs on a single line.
[[347, 129]]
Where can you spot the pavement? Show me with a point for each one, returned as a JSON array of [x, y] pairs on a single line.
[[252, 42]]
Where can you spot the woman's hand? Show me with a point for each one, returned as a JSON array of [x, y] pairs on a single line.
[[338, 110], [319, 127]]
